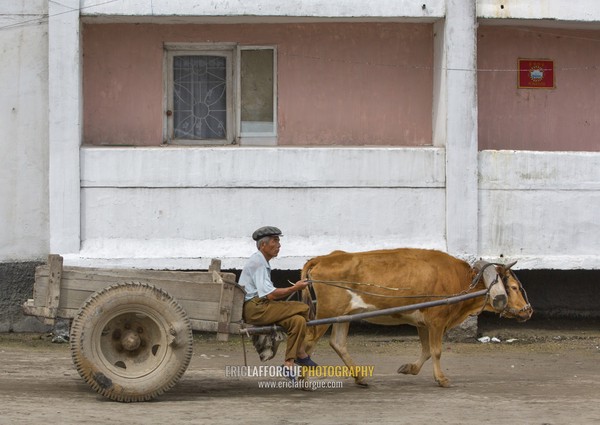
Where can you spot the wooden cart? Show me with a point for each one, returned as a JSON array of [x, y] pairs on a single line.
[[131, 335]]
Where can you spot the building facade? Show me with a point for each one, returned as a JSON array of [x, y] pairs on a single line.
[[160, 134]]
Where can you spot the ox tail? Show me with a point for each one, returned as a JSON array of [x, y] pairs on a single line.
[[313, 333], [307, 296]]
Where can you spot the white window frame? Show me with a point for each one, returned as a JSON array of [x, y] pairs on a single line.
[[232, 53], [225, 50]]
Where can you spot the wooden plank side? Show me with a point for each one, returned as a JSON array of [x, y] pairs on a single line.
[[178, 289], [225, 307], [198, 292], [209, 326], [199, 300], [215, 265], [199, 310], [119, 275], [39, 291], [181, 291], [127, 274], [73, 299], [55, 263], [55, 269], [237, 304], [238, 297], [204, 325]]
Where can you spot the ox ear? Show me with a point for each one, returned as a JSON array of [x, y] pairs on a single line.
[[509, 266]]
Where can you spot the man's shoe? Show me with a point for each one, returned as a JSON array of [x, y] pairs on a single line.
[[307, 361]]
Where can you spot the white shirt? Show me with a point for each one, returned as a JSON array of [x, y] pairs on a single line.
[[256, 277]]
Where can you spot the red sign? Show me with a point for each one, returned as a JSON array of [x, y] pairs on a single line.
[[536, 74]]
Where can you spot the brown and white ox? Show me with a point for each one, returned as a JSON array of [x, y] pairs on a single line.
[[417, 275]]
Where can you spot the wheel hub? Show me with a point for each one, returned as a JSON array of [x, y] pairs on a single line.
[[132, 344], [130, 340]]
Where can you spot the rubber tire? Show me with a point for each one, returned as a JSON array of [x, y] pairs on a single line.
[[165, 335]]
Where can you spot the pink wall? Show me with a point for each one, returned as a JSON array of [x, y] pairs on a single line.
[[564, 118], [338, 83]]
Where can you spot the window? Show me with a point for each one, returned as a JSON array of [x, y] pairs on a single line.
[[220, 94], [257, 93]]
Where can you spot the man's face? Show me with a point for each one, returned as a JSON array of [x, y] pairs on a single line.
[[271, 248]]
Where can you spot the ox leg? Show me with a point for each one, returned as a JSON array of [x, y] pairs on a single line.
[[435, 342], [313, 335], [338, 341], [415, 368]]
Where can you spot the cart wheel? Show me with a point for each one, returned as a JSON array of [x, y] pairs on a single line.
[[131, 342]]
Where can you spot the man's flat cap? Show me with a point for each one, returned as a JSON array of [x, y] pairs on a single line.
[[265, 231]]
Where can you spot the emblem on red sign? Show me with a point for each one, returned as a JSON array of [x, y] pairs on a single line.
[[536, 74]]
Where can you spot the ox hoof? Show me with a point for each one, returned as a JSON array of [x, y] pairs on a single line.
[[444, 383], [361, 383], [408, 369]]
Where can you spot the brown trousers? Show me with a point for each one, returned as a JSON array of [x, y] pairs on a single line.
[[292, 315]]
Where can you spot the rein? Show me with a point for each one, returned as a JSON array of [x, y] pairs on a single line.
[[474, 282], [340, 284], [526, 307]]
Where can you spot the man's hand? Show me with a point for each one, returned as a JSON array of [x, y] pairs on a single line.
[[301, 284], [280, 293]]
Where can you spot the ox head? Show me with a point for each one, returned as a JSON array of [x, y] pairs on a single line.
[[266, 345], [517, 306]]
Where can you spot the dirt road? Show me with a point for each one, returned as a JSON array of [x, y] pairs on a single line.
[[547, 376]]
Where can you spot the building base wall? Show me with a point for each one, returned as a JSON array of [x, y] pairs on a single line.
[[16, 286], [563, 293], [545, 289]]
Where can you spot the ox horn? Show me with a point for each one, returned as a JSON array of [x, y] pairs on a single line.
[[509, 266]]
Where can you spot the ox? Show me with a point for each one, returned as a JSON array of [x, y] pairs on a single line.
[[349, 283]]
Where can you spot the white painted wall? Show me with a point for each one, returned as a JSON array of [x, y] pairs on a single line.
[[179, 10], [23, 130], [541, 208], [64, 125], [459, 87], [179, 206], [554, 10]]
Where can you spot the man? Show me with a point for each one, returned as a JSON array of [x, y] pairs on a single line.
[[261, 305]]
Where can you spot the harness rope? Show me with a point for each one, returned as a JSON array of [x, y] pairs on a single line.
[[474, 282], [524, 293], [339, 284]]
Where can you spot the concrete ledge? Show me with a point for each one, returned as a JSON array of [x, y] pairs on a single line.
[[236, 167], [528, 170], [181, 254], [550, 11], [179, 10]]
